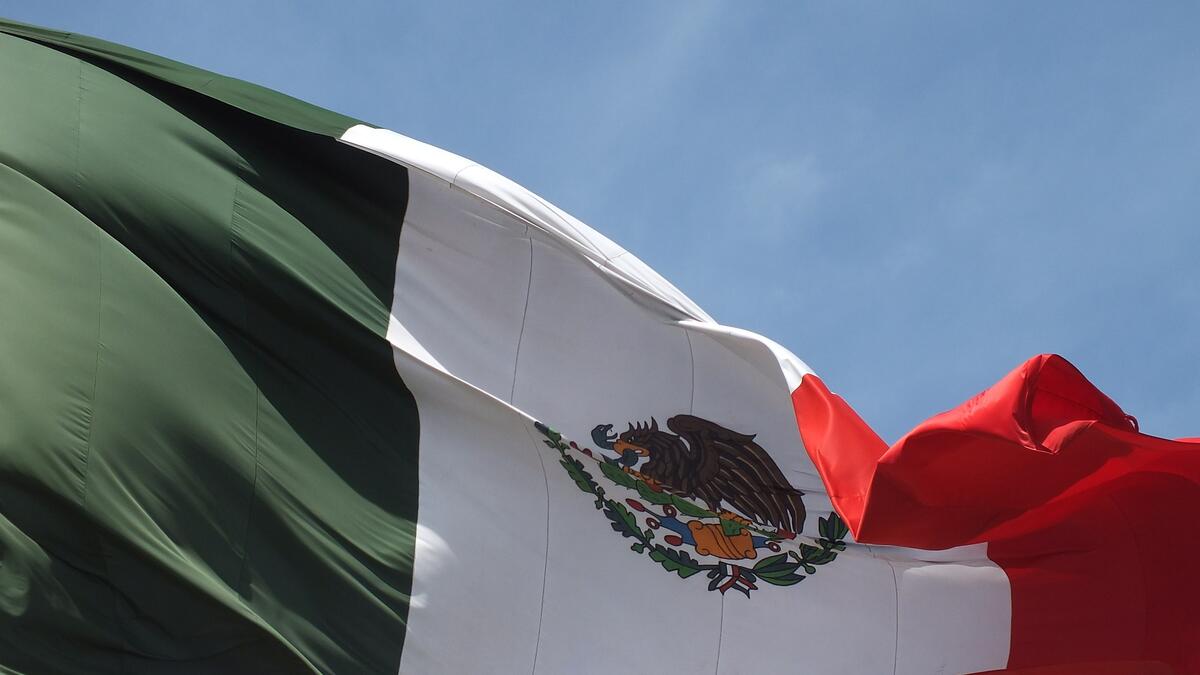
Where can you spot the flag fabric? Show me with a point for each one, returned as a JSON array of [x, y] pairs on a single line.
[[286, 392], [1092, 522]]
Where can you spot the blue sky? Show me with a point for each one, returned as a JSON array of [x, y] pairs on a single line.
[[914, 197]]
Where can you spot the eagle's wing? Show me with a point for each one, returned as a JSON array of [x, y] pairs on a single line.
[[750, 482], [746, 477]]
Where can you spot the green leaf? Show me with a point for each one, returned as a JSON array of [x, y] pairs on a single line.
[[651, 496], [821, 557], [616, 475], [784, 581], [582, 478], [833, 528], [775, 565], [777, 570], [770, 561], [689, 509], [678, 562], [628, 518]]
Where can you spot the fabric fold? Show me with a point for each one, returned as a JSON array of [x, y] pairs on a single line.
[[1092, 521]]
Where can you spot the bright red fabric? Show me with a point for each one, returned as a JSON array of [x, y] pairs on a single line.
[[1096, 525]]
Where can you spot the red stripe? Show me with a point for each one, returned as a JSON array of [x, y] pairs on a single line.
[[1096, 525], [1093, 668]]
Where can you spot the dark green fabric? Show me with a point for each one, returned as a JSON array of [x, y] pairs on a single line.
[[252, 98], [207, 458]]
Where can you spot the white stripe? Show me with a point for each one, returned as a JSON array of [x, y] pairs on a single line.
[[488, 186], [507, 309]]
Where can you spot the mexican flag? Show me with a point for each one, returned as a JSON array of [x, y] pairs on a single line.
[[281, 391]]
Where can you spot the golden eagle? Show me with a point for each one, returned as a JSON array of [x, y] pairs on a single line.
[[706, 461]]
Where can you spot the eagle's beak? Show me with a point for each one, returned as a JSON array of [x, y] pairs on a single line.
[[622, 446]]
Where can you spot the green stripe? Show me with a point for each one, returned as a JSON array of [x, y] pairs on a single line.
[[207, 458], [245, 96]]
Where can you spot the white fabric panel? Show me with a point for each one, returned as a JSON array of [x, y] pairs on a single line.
[[590, 356], [840, 620], [780, 368], [565, 231], [481, 535], [739, 384], [461, 282], [506, 309], [398, 147], [954, 617]]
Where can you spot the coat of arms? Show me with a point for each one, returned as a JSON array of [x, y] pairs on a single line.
[[700, 498]]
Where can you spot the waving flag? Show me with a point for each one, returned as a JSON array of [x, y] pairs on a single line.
[[285, 392]]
